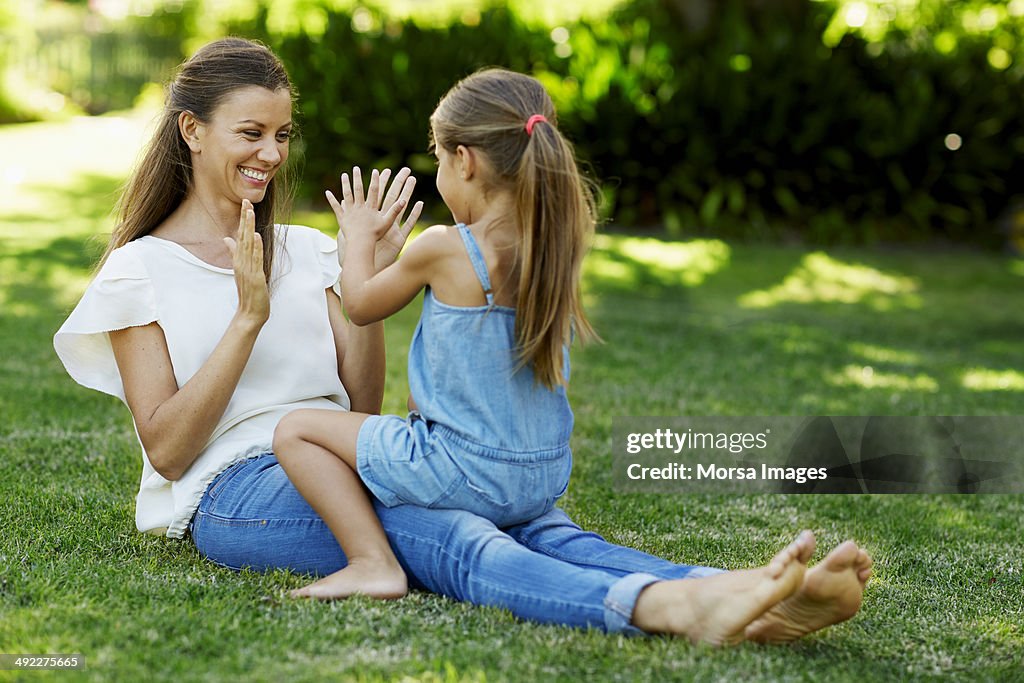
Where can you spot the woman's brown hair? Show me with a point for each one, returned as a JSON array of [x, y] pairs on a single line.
[[555, 212], [163, 175]]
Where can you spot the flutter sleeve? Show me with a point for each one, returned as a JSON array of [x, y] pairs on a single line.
[[120, 296], [330, 261]]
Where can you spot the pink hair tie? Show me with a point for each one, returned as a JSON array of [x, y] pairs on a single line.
[[532, 120]]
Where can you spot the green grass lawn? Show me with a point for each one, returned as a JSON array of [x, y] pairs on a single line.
[[691, 328]]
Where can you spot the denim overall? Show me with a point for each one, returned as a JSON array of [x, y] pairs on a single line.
[[486, 438]]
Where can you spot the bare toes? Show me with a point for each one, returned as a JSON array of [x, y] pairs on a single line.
[[807, 544], [863, 565], [864, 560], [799, 550], [782, 559], [842, 556]]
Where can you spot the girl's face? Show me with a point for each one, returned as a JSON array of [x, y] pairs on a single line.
[[239, 150]]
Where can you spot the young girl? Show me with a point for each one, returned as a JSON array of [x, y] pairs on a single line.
[[488, 364]]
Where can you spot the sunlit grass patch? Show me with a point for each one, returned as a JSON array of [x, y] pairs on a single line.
[[880, 354], [55, 155], [869, 378], [639, 261], [821, 278], [985, 379], [20, 283]]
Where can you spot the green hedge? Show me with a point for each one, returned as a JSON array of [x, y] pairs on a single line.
[[750, 126]]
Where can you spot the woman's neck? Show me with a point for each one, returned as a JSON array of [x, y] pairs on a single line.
[[201, 218]]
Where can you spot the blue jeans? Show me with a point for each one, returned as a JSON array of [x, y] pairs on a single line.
[[546, 570]]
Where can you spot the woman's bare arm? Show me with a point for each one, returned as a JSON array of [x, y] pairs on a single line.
[[361, 358], [175, 423]]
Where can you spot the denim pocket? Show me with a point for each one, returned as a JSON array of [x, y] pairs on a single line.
[[561, 492], [448, 498], [221, 480], [510, 494]]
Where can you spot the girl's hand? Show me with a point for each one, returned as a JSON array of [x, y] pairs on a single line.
[[378, 216], [247, 256]]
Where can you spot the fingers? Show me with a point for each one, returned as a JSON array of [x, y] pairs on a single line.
[[374, 195], [347, 200], [246, 223], [247, 246], [391, 215], [250, 255], [410, 222], [247, 238], [373, 191], [393, 198], [408, 184], [385, 175], [396, 187], [336, 206], [357, 186]]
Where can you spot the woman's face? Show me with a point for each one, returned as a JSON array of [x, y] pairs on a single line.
[[244, 143]]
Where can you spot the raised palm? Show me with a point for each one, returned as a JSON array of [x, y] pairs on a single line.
[[390, 244]]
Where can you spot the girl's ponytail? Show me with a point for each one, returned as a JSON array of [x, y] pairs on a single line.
[[556, 222], [510, 118]]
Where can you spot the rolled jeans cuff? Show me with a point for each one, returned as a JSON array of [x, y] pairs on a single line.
[[621, 600]]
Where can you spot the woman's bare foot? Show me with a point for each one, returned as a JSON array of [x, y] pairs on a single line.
[[717, 609], [831, 592], [374, 578]]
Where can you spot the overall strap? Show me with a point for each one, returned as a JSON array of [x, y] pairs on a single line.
[[477, 259]]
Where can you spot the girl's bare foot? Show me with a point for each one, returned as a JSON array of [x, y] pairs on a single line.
[[374, 578], [831, 592], [717, 609]]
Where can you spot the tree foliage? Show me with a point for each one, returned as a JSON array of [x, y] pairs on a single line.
[[833, 120]]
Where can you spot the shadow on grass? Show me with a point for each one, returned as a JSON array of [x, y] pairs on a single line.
[[774, 330], [86, 201], [46, 257], [46, 260]]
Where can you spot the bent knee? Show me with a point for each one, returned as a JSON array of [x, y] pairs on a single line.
[[288, 433]]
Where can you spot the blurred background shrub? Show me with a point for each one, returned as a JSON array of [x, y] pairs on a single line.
[[821, 120]]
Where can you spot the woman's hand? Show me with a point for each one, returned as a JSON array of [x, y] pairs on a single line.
[[247, 255], [378, 216]]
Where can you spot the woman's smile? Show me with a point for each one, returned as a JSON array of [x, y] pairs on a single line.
[[255, 176]]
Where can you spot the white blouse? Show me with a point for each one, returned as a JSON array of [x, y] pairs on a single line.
[[293, 363]]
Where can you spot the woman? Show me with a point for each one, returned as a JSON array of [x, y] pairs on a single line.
[[211, 323]]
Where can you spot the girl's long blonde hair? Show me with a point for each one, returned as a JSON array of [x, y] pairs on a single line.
[[555, 212], [163, 175]]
